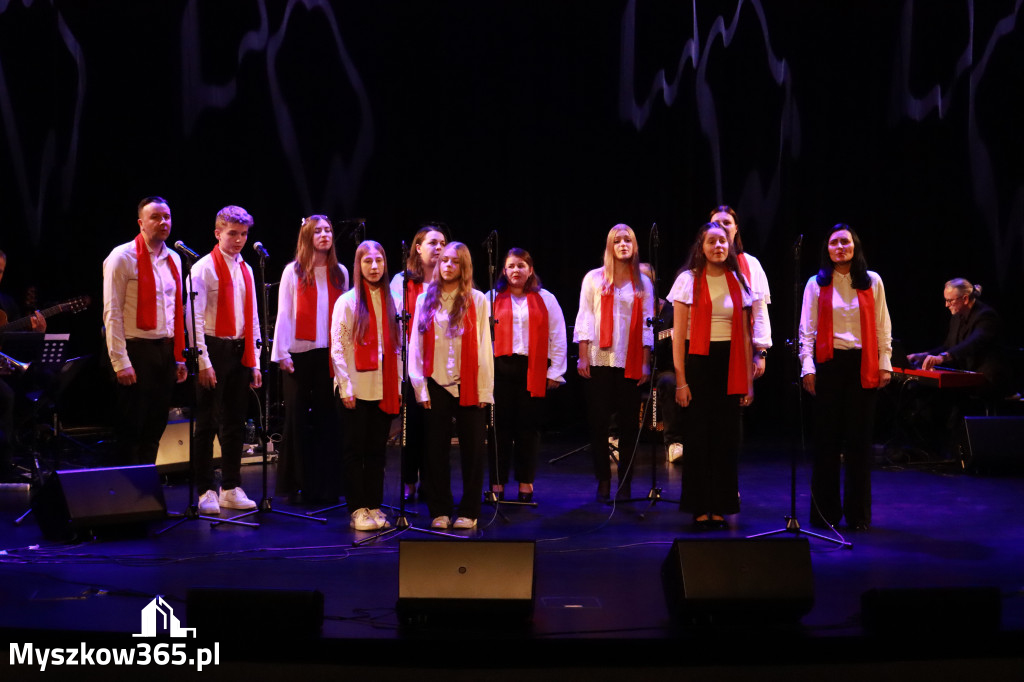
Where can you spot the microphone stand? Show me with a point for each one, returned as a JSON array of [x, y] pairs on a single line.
[[654, 495], [792, 524], [402, 523], [191, 354], [264, 505]]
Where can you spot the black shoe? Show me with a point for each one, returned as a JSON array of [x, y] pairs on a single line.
[[604, 491], [525, 497], [860, 526]]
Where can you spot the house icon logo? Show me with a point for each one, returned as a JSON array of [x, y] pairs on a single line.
[[158, 619]]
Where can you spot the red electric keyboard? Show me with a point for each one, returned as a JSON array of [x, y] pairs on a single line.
[[942, 378]]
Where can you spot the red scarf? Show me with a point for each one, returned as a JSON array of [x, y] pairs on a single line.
[[700, 332], [468, 363], [306, 307], [226, 305], [412, 291], [536, 369], [367, 351], [869, 335], [745, 267], [635, 344], [145, 309]]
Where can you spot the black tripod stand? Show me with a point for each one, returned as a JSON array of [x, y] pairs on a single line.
[[792, 524], [401, 522], [264, 506], [191, 353]]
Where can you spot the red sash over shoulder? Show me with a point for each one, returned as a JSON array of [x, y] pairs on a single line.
[[823, 348], [226, 305], [145, 310], [700, 331], [469, 363], [537, 354], [635, 344]]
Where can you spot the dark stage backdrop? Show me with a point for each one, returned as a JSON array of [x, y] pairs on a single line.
[[546, 121]]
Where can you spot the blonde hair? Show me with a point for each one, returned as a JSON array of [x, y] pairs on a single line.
[[463, 294], [609, 257]]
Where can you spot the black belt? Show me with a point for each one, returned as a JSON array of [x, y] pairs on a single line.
[[233, 344], [151, 342]]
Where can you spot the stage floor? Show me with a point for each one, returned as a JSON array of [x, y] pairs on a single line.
[[599, 597]]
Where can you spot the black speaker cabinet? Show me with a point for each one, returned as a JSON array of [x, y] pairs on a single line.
[[931, 611], [273, 613], [739, 579], [992, 445], [86, 500], [446, 580]]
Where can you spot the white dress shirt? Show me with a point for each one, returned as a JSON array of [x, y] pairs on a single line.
[[762, 337], [588, 319], [557, 344], [348, 381], [121, 296], [448, 350], [285, 342], [207, 285], [846, 333]]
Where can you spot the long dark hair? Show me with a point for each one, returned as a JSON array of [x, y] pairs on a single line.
[[858, 265], [737, 242], [532, 283], [697, 261], [414, 262], [305, 252]]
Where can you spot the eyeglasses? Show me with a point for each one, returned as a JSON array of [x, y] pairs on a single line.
[[953, 300]]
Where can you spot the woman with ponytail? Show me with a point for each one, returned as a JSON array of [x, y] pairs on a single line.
[[845, 352], [365, 352]]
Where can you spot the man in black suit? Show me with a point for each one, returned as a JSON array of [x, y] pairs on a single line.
[[974, 341]]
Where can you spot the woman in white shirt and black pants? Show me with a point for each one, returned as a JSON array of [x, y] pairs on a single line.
[[451, 367], [615, 343], [845, 352]]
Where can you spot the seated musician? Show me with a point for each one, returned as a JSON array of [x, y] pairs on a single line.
[[973, 342], [9, 312]]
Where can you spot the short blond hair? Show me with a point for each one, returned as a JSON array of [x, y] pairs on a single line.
[[232, 214]]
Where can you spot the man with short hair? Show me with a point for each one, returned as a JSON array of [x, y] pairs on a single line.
[[226, 333], [142, 316]]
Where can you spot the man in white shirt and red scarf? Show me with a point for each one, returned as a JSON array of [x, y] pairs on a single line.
[[226, 333], [142, 317]]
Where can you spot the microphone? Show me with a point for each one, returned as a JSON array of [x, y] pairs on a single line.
[[655, 242], [180, 247], [491, 240], [260, 249]]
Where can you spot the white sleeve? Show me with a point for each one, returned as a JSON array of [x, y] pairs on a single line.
[[115, 283], [586, 322], [557, 344], [284, 327], [485, 351], [341, 349], [808, 326], [416, 378], [883, 325]]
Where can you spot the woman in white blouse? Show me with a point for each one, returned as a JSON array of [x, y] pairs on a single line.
[[529, 360], [714, 376], [365, 352], [309, 287], [845, 353], [615, 343], [451, 367]]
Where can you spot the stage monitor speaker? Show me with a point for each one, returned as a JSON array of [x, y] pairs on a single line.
[[73, 501], [992, 445], [275, 613], [738, 579], [172, 456], [931, 611], [452, 579]]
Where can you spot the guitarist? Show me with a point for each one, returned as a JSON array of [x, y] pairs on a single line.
[[9, 310]]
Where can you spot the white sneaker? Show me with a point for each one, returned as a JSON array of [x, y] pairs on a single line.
[[441, 522], [236, 499], [362, 520], [675, 451], [380, 518], [208, 505], [464, 523]]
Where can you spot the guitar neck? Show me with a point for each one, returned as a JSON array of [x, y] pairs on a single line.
[[26, 322]]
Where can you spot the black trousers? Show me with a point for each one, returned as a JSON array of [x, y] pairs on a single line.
[[669, 411], [469, 425], [6, 426], [609, 393], [221, 412], [844, 415], [366, 429], [517, 418], [713, 436], [142, 407], [309, 459]]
